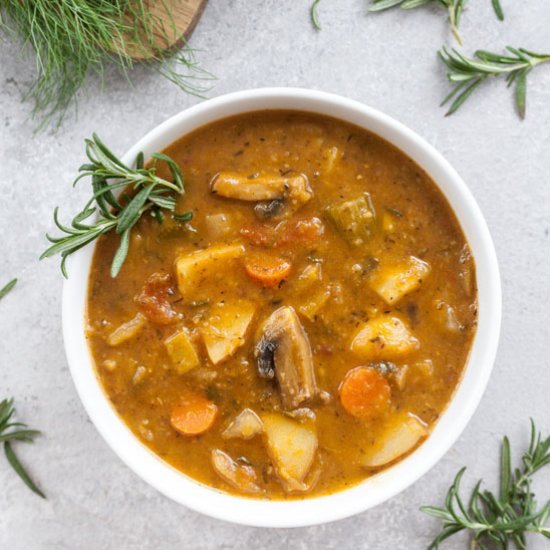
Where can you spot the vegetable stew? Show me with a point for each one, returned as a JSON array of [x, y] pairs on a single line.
[[306, 328]]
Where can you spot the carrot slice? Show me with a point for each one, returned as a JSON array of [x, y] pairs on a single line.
[[365, 393], [267, 270], [194, 415]]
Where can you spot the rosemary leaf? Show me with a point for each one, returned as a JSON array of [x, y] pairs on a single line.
[[8, 434], [314, 15], [20, 470], [4, 291], [498, 9], [187, 216]]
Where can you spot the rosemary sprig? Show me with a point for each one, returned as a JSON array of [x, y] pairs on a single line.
[[454, 9], [74, 38], [16, 431], [467, 74], [4, 291], [121, 195], [495, 521]]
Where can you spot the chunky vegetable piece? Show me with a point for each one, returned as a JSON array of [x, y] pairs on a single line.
[[298, 333], [385, 337], [267, 270], [400, 438], [225, 329], [354, 219], [393, 281], [292, 448], [365, 393], [241, 476], [182, 351], [283, 351], [196, 269], [256, 187], [245, 426], [193, 415], [154, 299], [127, 330]]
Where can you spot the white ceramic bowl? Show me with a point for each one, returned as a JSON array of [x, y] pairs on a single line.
[[378, 488]]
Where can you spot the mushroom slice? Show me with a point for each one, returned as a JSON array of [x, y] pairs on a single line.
[[283, 351], [234, 185], [240, 476], [245, 425]]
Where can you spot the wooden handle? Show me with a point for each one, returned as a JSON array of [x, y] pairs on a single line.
[[174, 21]]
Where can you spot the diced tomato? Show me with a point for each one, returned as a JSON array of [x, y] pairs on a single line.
[[153, 300]]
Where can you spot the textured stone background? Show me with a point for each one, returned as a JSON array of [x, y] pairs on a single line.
[[388, 61]]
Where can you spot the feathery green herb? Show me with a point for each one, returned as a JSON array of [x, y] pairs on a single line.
[[467, 74], [142, 190], [7, 288], [314, 15], [16, 431], [495, 521], [74, 38]]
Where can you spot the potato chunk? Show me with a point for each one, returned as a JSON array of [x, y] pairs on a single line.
[[193, 269], [225, 329], [182, 351], [392, 282], [127, 330], [400, 438], [291, 446], [245, 425], [383, 338]]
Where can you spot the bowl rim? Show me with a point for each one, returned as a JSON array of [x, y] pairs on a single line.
[[374, 490]]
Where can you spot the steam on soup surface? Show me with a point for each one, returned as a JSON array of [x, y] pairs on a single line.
[[306, 328]]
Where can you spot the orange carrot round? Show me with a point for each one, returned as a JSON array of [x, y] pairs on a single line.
[[365, 393], [267, 270], [194, 415]]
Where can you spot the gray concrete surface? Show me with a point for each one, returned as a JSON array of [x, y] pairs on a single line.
[[388, 61]]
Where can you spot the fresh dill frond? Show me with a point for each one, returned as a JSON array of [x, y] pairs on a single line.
[[72, 39]]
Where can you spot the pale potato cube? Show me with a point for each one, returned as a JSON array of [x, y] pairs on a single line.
[[193, 269], [331, 157], [225, 329], [127, 330], [219, 225], [314, 304], [383, 338], [311, 274], [181, 350], [291, 446], [400, 438], [392, 282], [245, 425]]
